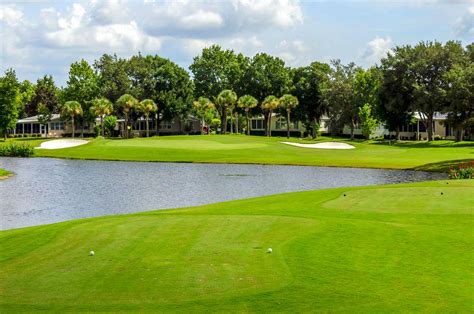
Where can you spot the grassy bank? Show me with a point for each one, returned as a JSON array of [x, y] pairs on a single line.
[[372, 249], [435, 156], [5, 174]]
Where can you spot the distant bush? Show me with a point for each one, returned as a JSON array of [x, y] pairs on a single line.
[[16, 149], [463, 171]]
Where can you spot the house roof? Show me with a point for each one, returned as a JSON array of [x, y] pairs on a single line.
[[34, 119]]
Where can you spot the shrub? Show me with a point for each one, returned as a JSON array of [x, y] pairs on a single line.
[[463, 171], [109, 124], [16, 149]]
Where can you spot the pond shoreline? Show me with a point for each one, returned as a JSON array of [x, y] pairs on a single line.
[[243, 163], [66, 189]]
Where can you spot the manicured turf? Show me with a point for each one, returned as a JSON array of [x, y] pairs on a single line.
[[398, 248], [438, 155]]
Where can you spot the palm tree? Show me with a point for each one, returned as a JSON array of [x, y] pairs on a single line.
[[288, 102], [270, 104], [226, 100], [101, 107], [146, 107], [247, 102], [71, 109], [201, 107], [127, 102]]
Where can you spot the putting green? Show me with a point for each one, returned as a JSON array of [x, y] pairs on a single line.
[[186, 144], [368, 249]]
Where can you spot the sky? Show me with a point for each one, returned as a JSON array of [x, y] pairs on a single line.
[[41, 37]]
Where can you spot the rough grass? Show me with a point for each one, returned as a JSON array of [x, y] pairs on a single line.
[[396, 248], [434, 156]]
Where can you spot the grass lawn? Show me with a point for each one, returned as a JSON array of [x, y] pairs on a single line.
[[435, 156], [404, 248]]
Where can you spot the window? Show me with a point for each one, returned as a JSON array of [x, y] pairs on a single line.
[[280, 124], [257, 124], [57, 126], [166, 125]]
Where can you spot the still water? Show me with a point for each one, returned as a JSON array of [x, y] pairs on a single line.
[[51, 190]]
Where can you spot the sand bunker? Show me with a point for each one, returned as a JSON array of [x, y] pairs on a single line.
[[324, 145], [63, 143]]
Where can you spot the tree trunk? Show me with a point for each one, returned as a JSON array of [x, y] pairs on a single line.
[[458, 136], [430, 127], [126, 126], [147, 126], [102, 125], [157, 124], [224, 121], [287, 124], [72, 127], [231, 123], [315, 132], [248, 122], [237, 122], [397, 133], [269, 123], [82, 127], [352, 129]]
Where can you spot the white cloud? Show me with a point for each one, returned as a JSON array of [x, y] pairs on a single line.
[[11, 16], [202, 19], [282, 13], [465, 25], [377, 48]]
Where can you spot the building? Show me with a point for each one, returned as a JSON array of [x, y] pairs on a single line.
[[59, 127], [30, 126], [278, 127], [412, 131]]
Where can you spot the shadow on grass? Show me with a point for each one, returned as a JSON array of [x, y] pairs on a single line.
[[442, 166]]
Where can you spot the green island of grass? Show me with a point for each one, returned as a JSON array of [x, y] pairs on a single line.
[[433, 156], [393, 248], [5, 174]]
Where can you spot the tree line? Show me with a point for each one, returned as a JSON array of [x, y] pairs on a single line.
[[227, 88]]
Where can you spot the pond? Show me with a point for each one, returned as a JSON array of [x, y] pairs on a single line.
[[48, 190]]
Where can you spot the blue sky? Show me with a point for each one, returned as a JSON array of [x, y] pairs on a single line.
[[45, 37]]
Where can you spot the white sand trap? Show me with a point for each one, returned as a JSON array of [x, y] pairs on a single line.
[[63, 143], [324, 145]]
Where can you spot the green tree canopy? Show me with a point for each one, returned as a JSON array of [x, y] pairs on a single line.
[[215, 70], [247, 102], [225, 100], [146, 107], [367, 121], [127, 103], [71, 109], [46, 93], [340, 97], [113, 78], [431, 61], [270, 104], [9, 101], [101, 107], [394, 106], [308, 85], [288, 103]]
